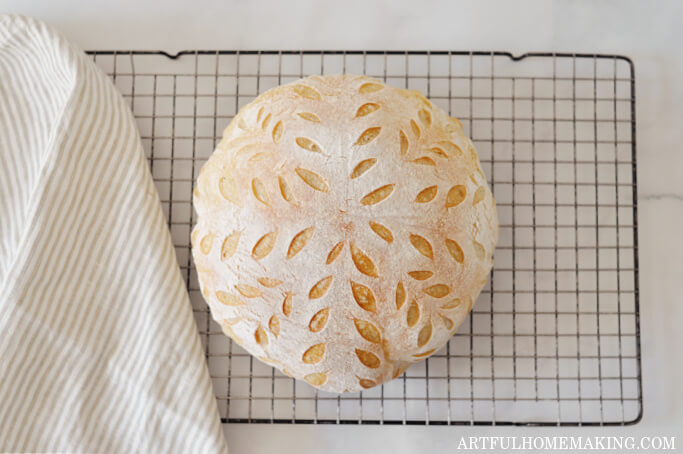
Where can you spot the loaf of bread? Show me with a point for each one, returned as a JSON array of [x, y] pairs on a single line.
[[344, 230]]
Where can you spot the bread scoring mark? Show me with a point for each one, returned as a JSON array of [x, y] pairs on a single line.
[[270, 361], [287, 304], [277, 131], [284, 189], [479, 195], [415, 128], [382, 231], [368, 331], [260, 192], [248, 291], [266, 120], [438, 290], [420, 275], [413, 314], [261, 337], [316, 379], [469, 308], [368, 136], [452, 304], [364, 296], [314, 354], [377, 195], [424, 161], [455, 195], [227, 325], [206, 243], [230, 244], [299, 241], [403, 139], [400, 295], [248, 149], [422, 246], [438, 152], [228, 189], [448, 323], [259, 115], [362, 167], [363, 263], [479, 250], [427, 194], [369, 88], [319, 320], [425, 117], [334, 252], [260, 156], [309, 116], [424, 354], [274, 326], [312, 179], [268, 282], [308, 144], [228, 299], [366, 109], [264, 245], [451, 148], [366, 383], [368, 359], [320, 288], [425, 334], [306, 92], [421, 99], [400, 369], [455, 250]]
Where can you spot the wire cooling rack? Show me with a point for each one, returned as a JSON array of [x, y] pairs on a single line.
[[554, 337]]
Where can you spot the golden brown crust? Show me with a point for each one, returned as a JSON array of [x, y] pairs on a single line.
[[344, 229]]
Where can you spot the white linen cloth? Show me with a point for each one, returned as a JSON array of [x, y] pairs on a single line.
[[99, 351]]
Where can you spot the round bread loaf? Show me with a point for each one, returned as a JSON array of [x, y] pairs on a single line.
[[344, 229]]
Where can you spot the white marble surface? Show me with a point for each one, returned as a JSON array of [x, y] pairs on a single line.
[[648, 32]]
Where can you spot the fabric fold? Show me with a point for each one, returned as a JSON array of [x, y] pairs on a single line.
[[99, 350]]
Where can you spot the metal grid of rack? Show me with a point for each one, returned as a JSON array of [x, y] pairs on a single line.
[[554, 337]]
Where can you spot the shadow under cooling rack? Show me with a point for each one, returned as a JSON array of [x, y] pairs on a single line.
[[554, 337]]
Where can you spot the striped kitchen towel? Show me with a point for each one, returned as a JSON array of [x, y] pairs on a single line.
[[99, 351]]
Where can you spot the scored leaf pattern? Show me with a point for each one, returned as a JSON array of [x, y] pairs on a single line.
[[308, 184], [366, 109], [313, 179], [319, 320], [363, 167], [309, 116], [299, 241], [320, 288], [378, 195], [368, 331], [364, 297], [264, 245], [308, 144], [368, 136]]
